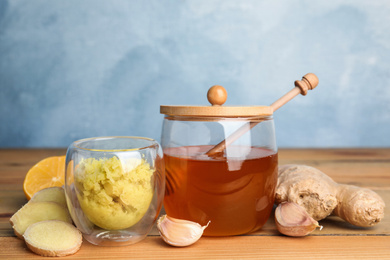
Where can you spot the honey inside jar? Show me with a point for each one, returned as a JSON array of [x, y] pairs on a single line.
[[235, 192]]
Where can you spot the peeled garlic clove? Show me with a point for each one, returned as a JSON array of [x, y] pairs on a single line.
[[293, 220], [179, 232]]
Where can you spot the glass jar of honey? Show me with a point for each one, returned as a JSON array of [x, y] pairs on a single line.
[[221, 164]]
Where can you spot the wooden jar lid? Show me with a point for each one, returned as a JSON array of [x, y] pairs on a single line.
[[217, 96]]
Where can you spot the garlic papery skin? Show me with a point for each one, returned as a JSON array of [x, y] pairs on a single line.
[[179, 232], [293, 220]]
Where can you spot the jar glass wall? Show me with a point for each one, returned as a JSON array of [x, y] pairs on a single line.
[[234, 190]]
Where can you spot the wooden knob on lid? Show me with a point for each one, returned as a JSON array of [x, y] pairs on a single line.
[[217, 95], [308, 82]]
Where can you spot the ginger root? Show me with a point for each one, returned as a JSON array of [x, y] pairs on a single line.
[[33, 212], [321, 196], [46, 225], [53, 238], [53, 194]]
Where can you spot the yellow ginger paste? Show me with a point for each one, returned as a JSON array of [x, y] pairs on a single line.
[[114, 194]]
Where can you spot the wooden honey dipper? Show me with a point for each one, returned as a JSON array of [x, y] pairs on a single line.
[[217, 96]]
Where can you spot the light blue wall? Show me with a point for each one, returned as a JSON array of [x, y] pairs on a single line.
[[76, 69]]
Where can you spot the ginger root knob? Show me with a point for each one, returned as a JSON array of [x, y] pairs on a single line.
[[321, 196], [359, 206]]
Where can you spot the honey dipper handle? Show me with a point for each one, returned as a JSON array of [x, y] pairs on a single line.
[[308, 82]]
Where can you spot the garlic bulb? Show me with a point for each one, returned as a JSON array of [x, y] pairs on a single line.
[[293, 220], [179, 232]]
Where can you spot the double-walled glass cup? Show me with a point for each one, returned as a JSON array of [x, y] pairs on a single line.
[[233, 189], [114, 188]]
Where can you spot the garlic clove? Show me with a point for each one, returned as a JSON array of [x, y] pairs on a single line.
[[179, 232], [293, 220]]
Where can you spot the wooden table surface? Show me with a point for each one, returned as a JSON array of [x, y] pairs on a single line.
[[337, 240]]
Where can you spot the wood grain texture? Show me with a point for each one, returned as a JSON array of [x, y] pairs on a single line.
[[239, 247], [338, 240]]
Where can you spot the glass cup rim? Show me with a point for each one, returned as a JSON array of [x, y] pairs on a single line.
[[153, 144]]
